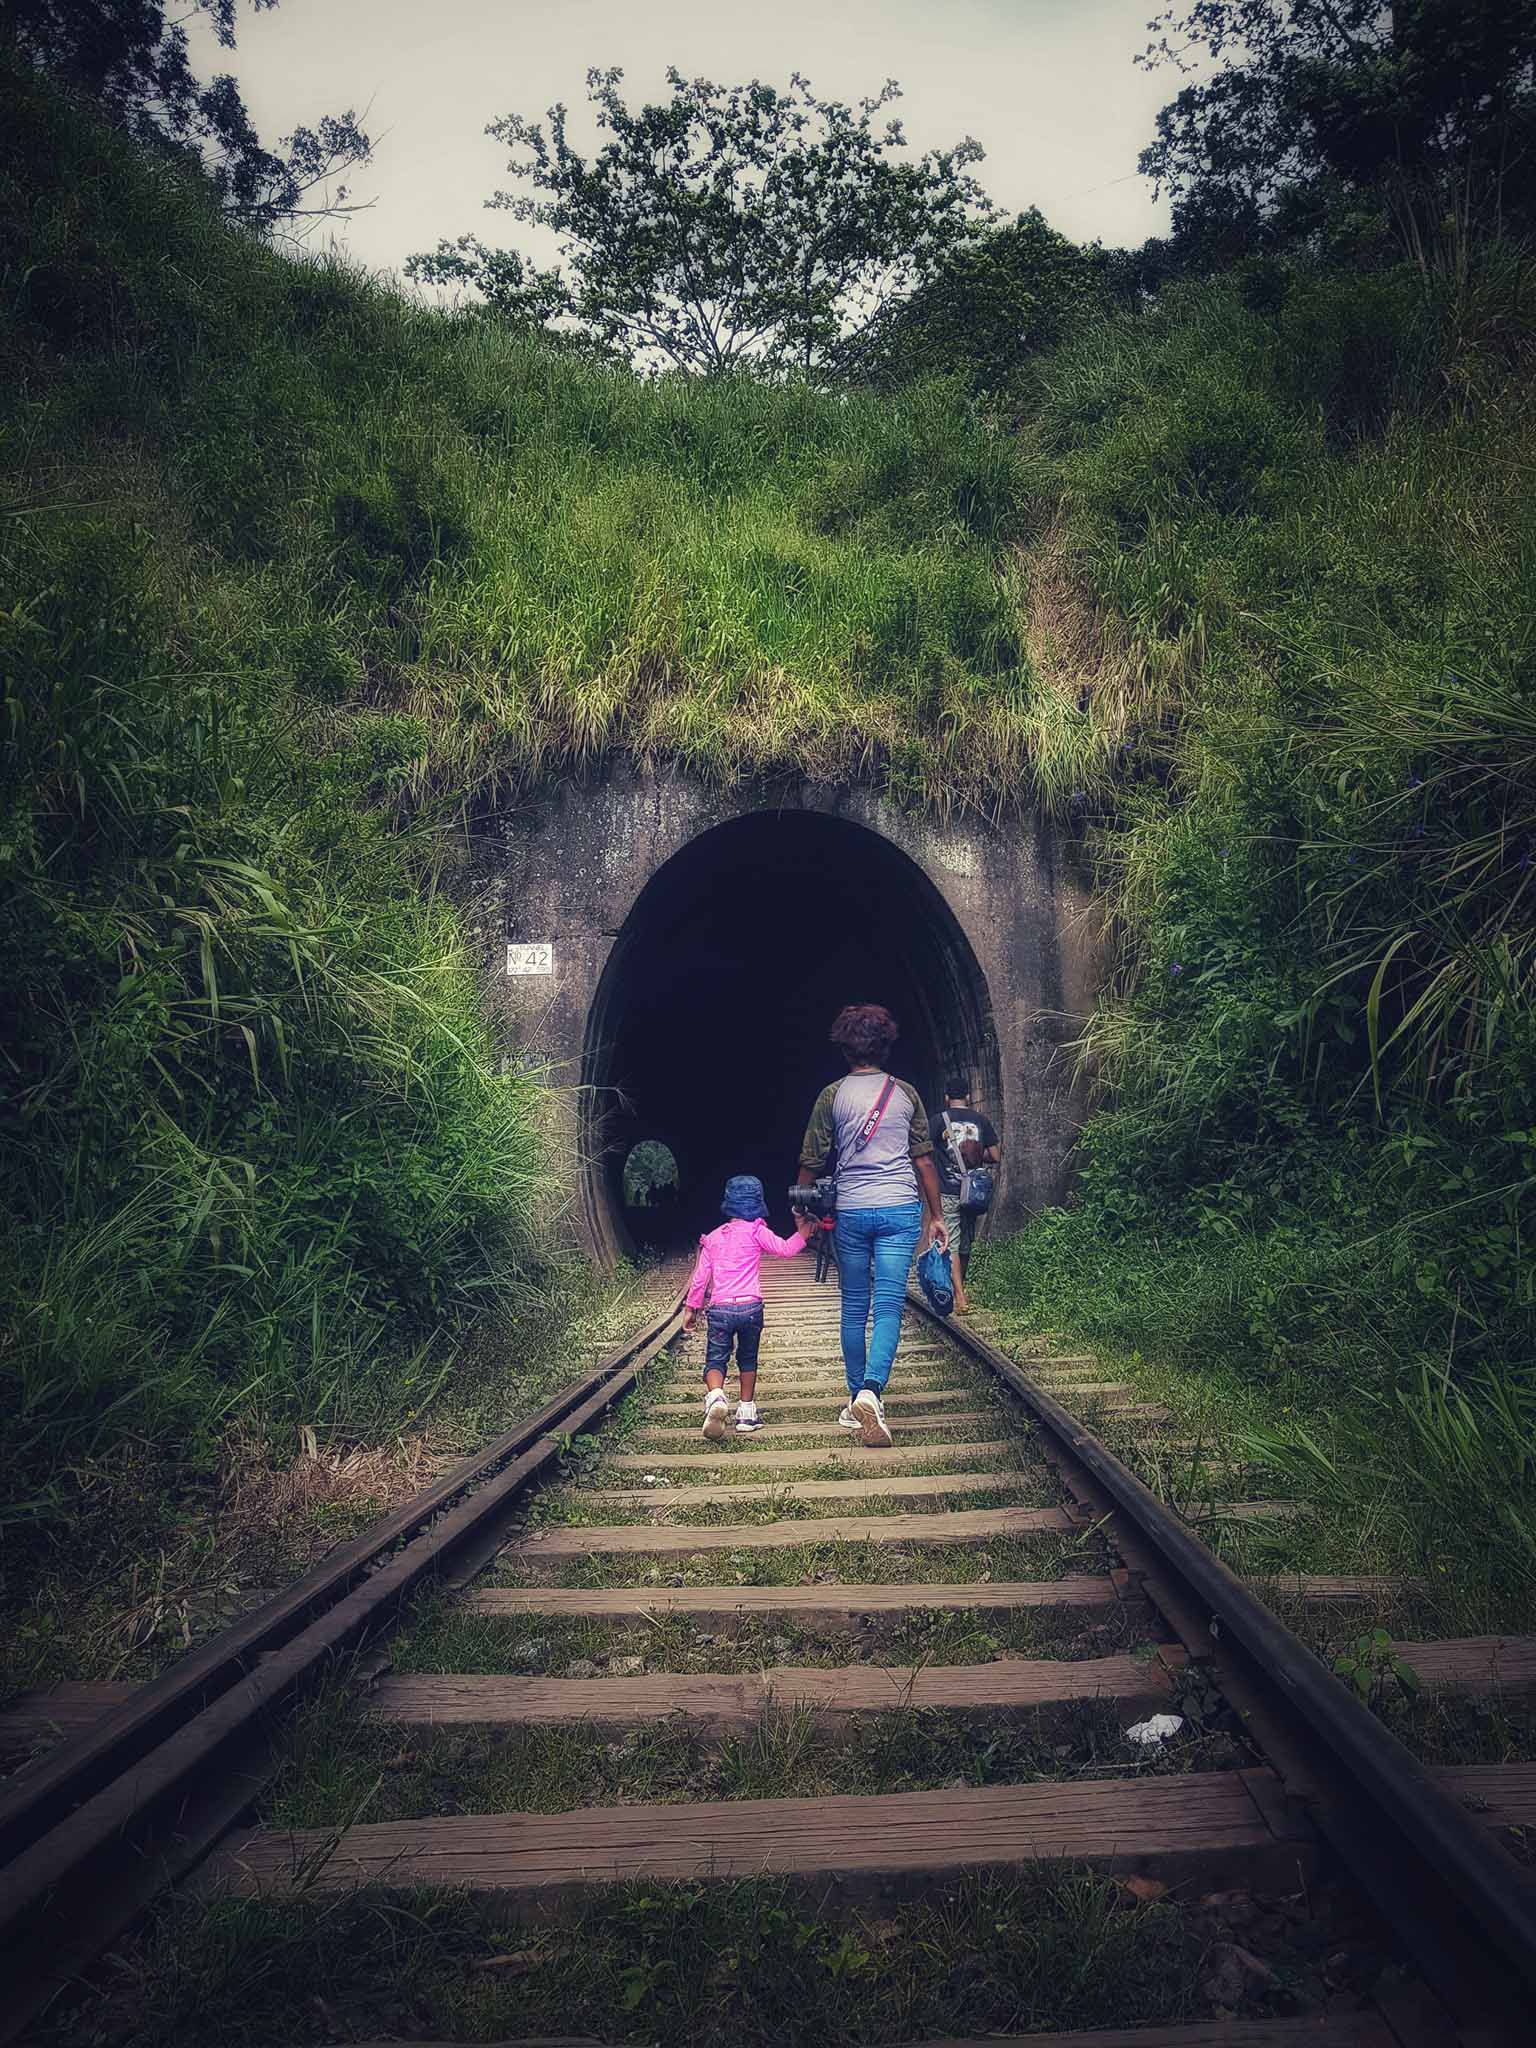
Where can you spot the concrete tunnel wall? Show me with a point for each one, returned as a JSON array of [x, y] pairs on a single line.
[[701, 940]]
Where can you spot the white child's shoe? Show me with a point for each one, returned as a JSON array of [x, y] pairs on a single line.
[[716, 1411], [870, 1417], [747, 1418], [848, 1420]]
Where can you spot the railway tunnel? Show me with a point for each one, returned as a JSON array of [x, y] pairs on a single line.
[[708, 1031], [665, 956]]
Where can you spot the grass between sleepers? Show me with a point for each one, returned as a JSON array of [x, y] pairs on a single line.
[[806, 1433], [1013, 1454], [1034, 1556], [686, 1965], [572, 1511], [336, 1774], [444, 1637]]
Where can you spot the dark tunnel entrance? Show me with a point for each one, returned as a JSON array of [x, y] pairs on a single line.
[[708, 1032]]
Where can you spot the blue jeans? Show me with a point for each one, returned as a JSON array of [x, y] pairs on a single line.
[[882, 1239], [741, 1320]]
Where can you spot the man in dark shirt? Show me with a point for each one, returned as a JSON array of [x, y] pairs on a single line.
[[962, 1137]]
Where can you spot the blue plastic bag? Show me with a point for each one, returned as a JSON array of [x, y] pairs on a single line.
[[936, 1278]]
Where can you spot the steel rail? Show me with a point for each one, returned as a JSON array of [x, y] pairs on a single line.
[[1456, 1873], [113, 1816]]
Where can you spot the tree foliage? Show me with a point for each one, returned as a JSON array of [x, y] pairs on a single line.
[[1313, 95], [135, 62], [994, 303], [723, 226]]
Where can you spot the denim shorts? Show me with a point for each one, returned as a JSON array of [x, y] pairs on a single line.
[[740, 1322]]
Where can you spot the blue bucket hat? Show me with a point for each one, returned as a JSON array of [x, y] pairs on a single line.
[[744, 1201]]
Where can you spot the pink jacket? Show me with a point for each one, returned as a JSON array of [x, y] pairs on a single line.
[[729, 1258]]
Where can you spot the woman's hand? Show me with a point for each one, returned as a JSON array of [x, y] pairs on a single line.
[[933, 1205]]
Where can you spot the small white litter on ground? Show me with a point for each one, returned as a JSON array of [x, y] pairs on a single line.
[[1158, 1729]]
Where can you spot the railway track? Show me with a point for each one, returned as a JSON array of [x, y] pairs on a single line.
[[811, 1566]]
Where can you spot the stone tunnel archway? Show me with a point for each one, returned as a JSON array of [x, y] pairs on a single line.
[[708, 1027], [590, 899]]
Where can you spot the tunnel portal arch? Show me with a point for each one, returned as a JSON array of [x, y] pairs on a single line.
[[708, 1025], [988, 929]]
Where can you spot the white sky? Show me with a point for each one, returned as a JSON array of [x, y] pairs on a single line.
[[1048, 88]]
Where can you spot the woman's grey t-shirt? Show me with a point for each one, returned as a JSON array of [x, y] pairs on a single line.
[[881, 1176]]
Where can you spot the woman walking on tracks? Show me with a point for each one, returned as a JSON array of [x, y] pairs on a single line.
[[875, 1130]]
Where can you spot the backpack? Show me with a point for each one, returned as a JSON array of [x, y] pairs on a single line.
[[976, 1182]]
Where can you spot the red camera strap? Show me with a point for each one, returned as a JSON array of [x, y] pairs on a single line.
[[872, 1121]]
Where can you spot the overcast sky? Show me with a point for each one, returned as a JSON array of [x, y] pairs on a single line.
[[1047, 87]]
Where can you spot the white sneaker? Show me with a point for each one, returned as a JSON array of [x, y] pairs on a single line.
[[716, 1411], [870, 1417], [747, 1418], [848, 1420]]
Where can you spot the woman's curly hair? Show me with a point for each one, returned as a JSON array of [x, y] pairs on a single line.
[[864, 1033]]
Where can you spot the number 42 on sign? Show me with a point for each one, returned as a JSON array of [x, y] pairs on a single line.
[[538, 958]]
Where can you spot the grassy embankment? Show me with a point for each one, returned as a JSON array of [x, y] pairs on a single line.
[[295, 578], [1307, 1198], [298, 576]]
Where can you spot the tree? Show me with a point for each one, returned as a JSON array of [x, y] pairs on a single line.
[[723, 226], [1346, 94], [991, 305], [134, 62]]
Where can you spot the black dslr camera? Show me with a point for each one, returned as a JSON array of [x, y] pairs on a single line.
[[819, 1199]]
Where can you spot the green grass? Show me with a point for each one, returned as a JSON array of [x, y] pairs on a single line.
[[500, 562], [160, 1560], [666, 1481], [1042, 1556], [910, 1441], [1360, 1516], [681, 1965], [781, 1505], [336, 1774], [446, 1639], [1303, 780]]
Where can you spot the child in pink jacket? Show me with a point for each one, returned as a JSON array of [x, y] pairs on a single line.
[[727, 1271]]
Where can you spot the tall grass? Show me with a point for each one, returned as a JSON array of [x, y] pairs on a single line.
[[1315, 1153], [521, 561], [253, 1135]]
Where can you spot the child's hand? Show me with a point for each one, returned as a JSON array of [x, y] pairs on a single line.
[[690, 1317], [805, 1224]]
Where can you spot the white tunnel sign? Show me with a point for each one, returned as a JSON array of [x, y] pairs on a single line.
[[538, 958]]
